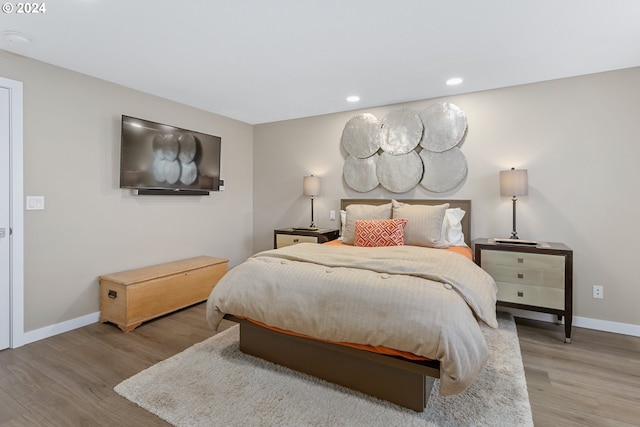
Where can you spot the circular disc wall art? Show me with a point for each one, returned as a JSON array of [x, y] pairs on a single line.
[[361, 136], [445, 126], [400, 132], [401, 173], [443, 171], [360, 174]]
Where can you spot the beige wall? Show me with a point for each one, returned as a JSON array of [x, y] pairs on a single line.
[[90, 226], [578, 138]]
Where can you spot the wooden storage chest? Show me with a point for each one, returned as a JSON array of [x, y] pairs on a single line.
[[131, 297]]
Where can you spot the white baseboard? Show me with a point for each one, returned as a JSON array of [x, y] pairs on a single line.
[[607, 326], [59, 328], [580, 322]]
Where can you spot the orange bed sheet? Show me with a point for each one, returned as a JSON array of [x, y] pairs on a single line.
[[462, 250], [372, 348]]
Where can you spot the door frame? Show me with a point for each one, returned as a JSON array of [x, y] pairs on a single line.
[[16, 219]]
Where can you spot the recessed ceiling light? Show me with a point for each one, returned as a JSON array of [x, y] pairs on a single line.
[[16, 37], [454, 81], [353, 98]]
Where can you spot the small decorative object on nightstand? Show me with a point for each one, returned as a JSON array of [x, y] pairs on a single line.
[[537, 277], [291, 236]]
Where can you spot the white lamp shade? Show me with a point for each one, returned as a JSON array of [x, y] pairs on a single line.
[[514, 182], [311, 186]]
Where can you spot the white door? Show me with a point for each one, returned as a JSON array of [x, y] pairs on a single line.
[[5, 209]]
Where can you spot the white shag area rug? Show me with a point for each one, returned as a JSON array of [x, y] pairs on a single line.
[[213, 384]]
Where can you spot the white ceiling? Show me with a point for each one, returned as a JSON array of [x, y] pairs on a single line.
[[267, 60]]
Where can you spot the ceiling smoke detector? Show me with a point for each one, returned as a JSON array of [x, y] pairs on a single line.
[[16, 37]]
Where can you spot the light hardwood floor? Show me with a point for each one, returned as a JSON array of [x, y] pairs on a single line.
[[68, 380], [594, 381]]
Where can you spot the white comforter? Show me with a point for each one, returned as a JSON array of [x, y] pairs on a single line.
[[424, 301]]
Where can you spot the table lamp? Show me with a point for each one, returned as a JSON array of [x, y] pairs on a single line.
[[311, 187], [514, 183]]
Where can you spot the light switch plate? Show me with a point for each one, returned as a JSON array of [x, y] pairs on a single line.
[[35, 203]]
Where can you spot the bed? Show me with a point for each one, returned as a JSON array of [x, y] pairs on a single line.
[[385, 321]]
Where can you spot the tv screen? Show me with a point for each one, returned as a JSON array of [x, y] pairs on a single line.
[[163, 158]]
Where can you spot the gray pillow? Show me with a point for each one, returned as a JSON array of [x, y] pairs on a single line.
[[424, 223], [358, 212]]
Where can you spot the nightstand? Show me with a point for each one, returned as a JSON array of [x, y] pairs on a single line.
[[537, 278], [291, 236]]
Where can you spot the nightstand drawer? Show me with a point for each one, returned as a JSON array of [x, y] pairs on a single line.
[[521, 259], [525, 276], [531, 295], [283, 240]]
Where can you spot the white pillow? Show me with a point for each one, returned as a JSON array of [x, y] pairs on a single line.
[[424, 223], [343, 222], [357, 212], [452, 227]]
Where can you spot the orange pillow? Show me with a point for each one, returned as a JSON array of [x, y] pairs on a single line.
[[381, 232]]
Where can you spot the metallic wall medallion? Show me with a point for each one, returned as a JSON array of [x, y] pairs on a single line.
[[361, 136], [400, 173], [360, 174], [439, 167], [400, 132], [445, 126], [443, 171]]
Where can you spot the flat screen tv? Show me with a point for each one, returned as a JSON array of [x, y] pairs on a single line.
[[162, 159]]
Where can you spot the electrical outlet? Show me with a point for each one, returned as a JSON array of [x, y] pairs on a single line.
[[332, 215], [598, 291]]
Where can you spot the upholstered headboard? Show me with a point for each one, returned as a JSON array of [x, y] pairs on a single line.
[[465, 205]]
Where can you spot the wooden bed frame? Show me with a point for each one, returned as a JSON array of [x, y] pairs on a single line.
[[395, 379]]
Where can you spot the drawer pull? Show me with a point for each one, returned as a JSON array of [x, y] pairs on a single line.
[[520, 293], [520, 260], [520, 276], [296, 240], [112, 294]]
